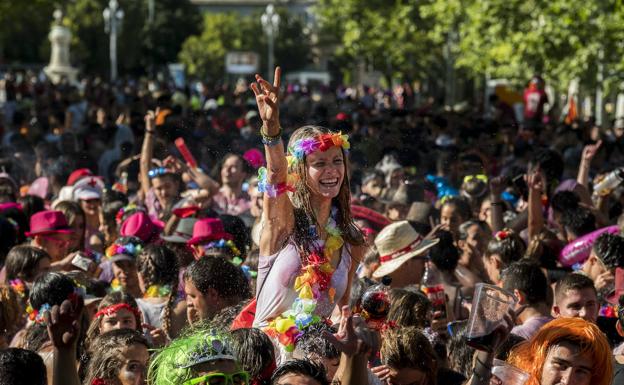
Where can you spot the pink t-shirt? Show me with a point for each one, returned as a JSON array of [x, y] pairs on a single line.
[[277, 295]]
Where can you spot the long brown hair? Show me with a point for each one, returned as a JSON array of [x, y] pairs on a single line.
[[107, 359], [304, 212]]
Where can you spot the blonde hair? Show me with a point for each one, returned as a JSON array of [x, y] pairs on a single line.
[[304, 212], [530, 356]]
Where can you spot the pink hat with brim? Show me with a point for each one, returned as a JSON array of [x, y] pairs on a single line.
[[48, 222], [208, 230], [141, 226]]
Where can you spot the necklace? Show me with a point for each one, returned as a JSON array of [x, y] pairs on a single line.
[[313, 280], [157, 291]]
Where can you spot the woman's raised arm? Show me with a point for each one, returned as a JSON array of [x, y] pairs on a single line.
[[277, 215]]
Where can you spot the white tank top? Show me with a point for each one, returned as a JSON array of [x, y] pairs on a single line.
[[277, 294]]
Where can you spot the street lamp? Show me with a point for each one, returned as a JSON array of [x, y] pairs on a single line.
[[113, 16], [270, 23]]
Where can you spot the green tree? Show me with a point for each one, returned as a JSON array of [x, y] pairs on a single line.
[[142, 46], [204, 54], [24, 27], [514, 39], [390, 35]]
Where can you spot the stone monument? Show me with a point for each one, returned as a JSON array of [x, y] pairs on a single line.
[[60, 67]]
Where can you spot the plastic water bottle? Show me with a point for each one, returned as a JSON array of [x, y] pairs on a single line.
[[609, 182]]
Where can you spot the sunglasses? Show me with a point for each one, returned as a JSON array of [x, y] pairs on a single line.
[[240, 378]]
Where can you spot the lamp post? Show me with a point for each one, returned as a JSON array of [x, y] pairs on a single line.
[[270, 23], [113, 16]]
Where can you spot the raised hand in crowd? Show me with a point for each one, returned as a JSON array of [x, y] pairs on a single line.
[[63, 324]]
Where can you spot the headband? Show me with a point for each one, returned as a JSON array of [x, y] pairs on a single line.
[[112, 309]]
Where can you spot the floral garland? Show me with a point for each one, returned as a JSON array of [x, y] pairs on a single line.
[[128, 209], [18, 286], [323, 142], [315, 278], [110, 310], [297, 152], [128, 248], [222, 244], [157, 291], [36, 315], [502, 234]]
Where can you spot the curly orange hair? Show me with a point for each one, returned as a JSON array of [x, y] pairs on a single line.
[[530, 356]]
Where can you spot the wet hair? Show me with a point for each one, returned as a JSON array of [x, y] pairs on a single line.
[[158, 265], [107, 359], [462, 207], [543, 249], [610, 249], [409, 308], [36, 337], [22, 261], [21, 367], [113, 298], [444, 254], [304, 213], [528, 278], [407, 347], [219, 274], [531, 355], [358, 287], [312, 343], [301, 367], [579, 221], [510, 248], [460, 353], [254, 351]]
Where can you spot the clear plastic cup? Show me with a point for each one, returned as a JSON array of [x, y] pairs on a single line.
[[486, 324], [508, 374]]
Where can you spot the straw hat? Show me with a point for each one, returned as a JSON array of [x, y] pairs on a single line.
[[396, 244]]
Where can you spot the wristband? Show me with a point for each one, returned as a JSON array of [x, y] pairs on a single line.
[[151, 132], [271, 142], [500, 203], [269, 137]]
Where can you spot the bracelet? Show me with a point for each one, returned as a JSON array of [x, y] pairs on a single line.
[[269, 137], [151, 132], [500, 203], [271, 142]]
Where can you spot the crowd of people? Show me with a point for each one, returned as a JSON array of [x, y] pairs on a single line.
[[279, 234]]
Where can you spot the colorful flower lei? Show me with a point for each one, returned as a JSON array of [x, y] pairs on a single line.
[[273, 190], [157, 291], [36, 315], [115, 285], [128, 209], [18, 287], [128, 249], [222, 244], [323, 142], [98, 381], [315, 278]]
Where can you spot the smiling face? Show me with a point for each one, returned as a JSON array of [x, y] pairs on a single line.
[[325, 172]]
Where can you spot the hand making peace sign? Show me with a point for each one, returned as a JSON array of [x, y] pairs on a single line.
[[267, 99]]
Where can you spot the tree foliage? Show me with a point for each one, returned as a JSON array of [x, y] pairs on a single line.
[[390, 35], [204, 54]]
